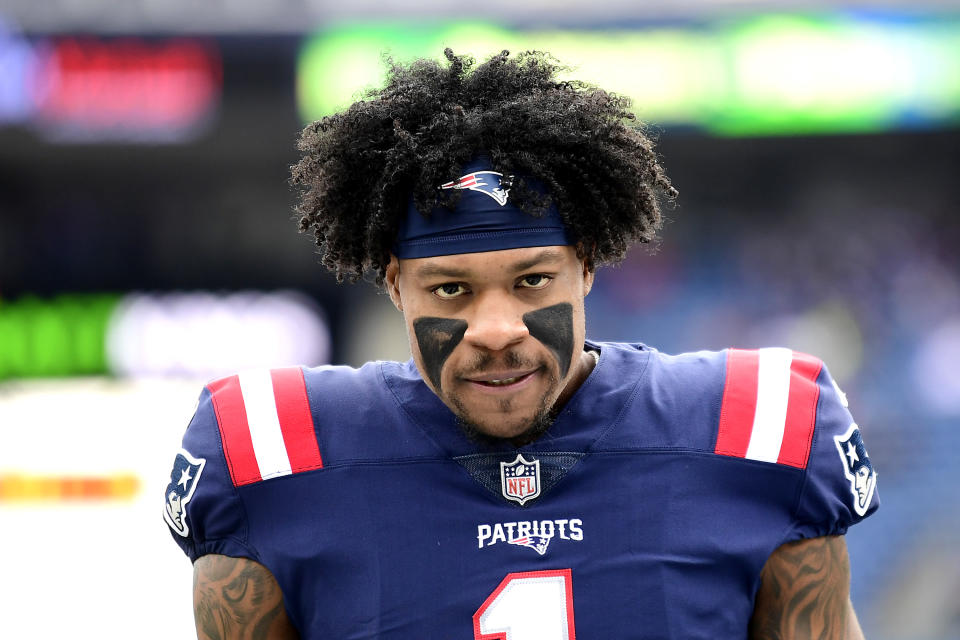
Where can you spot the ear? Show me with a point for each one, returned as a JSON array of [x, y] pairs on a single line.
[[588, 274], [391, 280], [586, 261]]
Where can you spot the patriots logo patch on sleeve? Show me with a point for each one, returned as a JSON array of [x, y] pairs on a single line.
[[857, 468], [183, 481]]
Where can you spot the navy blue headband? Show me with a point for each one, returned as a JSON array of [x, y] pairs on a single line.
[[484, 220]]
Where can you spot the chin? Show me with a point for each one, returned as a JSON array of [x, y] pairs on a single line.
[[504, 431], [521, 430]]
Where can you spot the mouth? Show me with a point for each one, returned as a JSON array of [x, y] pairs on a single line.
[[502, 380]]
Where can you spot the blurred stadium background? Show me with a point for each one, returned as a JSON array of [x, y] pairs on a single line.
[[147, 244]]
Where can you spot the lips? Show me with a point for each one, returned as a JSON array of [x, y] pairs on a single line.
[[502, 379]]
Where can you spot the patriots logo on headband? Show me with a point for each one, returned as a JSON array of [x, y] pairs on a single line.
[[488, 182], [475, 223]]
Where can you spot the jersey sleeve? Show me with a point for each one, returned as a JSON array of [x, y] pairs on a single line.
[[840, 487], [202, 507]]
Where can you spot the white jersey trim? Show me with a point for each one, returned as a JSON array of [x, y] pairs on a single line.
[[773, 392], [261, 407]]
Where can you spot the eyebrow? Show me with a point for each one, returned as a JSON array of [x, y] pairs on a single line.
[[548, 256]]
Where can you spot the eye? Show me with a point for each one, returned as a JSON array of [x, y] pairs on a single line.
[[534, 281], [449, 290]]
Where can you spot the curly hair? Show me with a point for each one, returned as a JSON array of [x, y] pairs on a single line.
[[361, 166]]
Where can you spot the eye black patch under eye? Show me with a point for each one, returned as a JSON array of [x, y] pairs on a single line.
[[437, 338], [553, 326]]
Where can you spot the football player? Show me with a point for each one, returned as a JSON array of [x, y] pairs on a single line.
[[514, 479]]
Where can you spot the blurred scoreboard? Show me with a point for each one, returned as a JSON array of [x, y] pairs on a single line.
[[776, 74], [760, 74], [86, 89]]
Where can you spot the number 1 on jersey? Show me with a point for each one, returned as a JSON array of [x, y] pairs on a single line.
[[530, 605]]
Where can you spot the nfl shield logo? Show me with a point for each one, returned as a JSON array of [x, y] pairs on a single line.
[[520, 479]]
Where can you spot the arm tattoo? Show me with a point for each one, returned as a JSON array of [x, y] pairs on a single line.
[[238, 599], [804, 593]]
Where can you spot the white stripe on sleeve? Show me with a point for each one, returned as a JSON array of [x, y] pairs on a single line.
[[773, 391], [261, 406]]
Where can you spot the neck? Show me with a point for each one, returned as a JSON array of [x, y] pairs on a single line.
[[581, 371]]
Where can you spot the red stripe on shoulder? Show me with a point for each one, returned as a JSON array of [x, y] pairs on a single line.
[[227, 399], [801, 410], [739, 402], [296, 421]]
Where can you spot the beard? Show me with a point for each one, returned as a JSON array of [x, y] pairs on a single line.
[[535, 428], [532, 428]]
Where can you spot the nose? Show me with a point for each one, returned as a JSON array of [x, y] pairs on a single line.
[[495, 325]]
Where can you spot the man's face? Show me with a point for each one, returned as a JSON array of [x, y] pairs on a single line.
[[174, 507], [498, 336], [861, 479]]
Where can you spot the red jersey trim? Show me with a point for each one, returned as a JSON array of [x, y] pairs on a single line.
[[793, 394], [265, 424], [227, 399], [801, 410], [296, 421]]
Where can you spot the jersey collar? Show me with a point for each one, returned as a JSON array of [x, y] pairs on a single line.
[[595, 408]]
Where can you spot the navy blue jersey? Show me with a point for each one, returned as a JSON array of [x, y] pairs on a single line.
[[646, 511]]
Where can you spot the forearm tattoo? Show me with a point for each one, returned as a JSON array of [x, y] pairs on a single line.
[[237, 599], [804, 592]]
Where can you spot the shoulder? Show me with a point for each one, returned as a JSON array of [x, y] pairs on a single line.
[[260, 425], [760, 409], [284, 383], [264, 421], [630, 362], [291, 420], [768, 410], [755, 404]]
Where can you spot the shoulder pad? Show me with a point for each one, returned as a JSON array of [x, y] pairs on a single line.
[[265, 424], [769, 406]]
